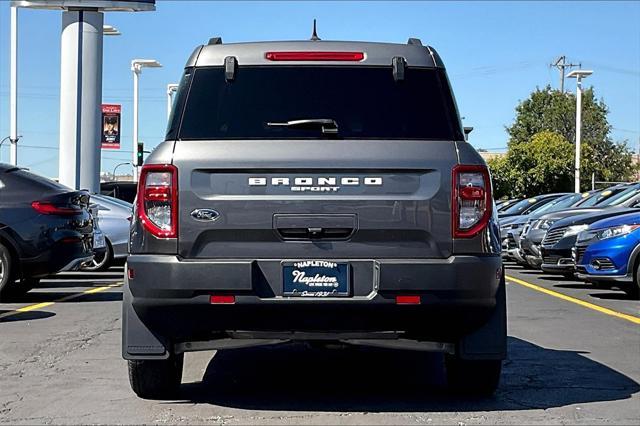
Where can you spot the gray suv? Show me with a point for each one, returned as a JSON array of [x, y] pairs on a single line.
[[316, 191]]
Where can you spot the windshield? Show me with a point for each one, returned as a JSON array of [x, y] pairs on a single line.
[[520, 206], [559, 204], [599, 197], [364, 103], [621, 197]]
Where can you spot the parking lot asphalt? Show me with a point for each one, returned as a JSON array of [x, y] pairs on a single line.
[[574, 357]]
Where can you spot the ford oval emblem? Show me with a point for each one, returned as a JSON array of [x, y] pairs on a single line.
[[205, 215]]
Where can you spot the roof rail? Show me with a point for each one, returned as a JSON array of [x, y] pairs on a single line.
[[215, 40], [414, 41]]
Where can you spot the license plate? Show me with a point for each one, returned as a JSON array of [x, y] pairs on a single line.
[[98, 241], [316, 278]]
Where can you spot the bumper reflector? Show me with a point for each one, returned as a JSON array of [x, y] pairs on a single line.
[[407, 300], [222, 299]]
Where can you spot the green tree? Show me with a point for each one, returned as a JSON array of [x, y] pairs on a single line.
[[548, 117]]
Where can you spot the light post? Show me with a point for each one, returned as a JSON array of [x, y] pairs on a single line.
[[13, 88], [578, 75], [171, 89], [136, 67], [115, 179]]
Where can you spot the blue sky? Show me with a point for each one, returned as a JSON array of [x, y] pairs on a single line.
[[496, 53]]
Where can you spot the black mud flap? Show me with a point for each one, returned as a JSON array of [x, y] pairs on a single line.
[[138, 342]]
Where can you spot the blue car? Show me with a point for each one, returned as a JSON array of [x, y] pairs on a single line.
[[607, 253]]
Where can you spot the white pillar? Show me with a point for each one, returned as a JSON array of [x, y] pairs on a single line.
[[80, 99], [578, 132], [13, 90], [136, 76]]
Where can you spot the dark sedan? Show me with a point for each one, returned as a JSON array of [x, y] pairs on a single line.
[[45, 228]]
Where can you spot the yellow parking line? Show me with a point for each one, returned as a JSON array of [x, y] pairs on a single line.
[[62, 299], [607, 311]]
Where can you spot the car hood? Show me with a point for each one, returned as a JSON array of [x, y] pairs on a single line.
[[511, 220], [589, 218], [561, 214], [622, 219]]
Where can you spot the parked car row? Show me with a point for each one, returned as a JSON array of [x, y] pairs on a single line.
[[589, 235], [46, 228]]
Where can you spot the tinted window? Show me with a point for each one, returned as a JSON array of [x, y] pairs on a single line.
[[365, 102], [621, 197], [520, 206]]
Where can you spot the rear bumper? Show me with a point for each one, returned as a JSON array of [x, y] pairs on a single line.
[[60, 257], [167, 302]]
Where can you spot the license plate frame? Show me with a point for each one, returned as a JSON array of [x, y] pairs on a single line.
[[316, 279]]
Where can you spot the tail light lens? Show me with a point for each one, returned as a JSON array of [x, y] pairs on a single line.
[[158, 200], [471, 204], [45, 207]]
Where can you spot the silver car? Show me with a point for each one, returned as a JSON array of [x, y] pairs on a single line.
[[114, 218]]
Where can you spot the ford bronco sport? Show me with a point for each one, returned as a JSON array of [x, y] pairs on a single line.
[[317, 191]]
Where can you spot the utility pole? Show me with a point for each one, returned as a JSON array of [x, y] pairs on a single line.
[[562, 65], [13, 91]]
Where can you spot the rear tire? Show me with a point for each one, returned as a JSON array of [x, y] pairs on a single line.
[[6, 273], [473, 377], [156, 379]]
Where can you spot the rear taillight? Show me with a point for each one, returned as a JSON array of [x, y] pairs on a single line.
[[471, 203], [315, 56], [157, 198], [46, 207]]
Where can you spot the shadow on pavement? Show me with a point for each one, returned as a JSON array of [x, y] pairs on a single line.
[[297, 378], [576, 286], [612, 296], [26, 316], [54, 296]]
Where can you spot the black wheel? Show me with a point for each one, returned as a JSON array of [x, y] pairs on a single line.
[[633, 288], [100, 262], [6, 272], [156, 379], [473, 377]]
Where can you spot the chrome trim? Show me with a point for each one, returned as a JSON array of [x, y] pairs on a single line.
[[75, 264]]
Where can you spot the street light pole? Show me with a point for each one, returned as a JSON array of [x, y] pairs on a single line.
[[13, 91], [115, 179], [136, 67], [171, 89], [578, 75]]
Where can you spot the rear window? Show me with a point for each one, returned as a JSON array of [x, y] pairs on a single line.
[[365, 102]]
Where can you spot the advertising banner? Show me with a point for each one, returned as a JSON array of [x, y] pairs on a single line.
[[111, 126]]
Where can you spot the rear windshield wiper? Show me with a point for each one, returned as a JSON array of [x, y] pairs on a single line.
[[327, 126]]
